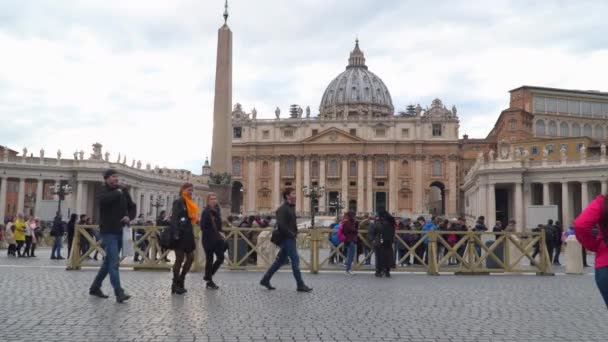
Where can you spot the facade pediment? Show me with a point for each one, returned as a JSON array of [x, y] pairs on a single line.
[[333, 135]]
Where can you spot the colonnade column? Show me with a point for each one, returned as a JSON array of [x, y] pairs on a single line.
[[418, 194], [519, 207], [322, 206], [3, 185], [360, 185], [584, 195], [306, 200], [276, 178], [39, 190], [369, 188], [566, 219], [251, 185], [491, 219], [21, 196], [483, 202], [604, 187], [79, 197], [344, 191], [393, 185], [299, 193], [546, 200]]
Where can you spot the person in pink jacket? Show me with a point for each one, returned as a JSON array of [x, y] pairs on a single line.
[[596, 214]]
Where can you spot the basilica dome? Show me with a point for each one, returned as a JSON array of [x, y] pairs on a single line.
[[356, 92]]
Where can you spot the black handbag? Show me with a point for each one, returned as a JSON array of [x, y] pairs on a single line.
[[276, 237], [168, 237]]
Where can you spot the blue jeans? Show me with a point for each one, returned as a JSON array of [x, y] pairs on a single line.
[[601, 279], [288, 250], [56, 251], [111, 244], [351, 249]]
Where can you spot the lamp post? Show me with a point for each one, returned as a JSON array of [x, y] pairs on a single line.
[[61, 191], [338, 204], [313, 193], [159, 202]]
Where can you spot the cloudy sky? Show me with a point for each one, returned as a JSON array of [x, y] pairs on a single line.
[[137, 75]]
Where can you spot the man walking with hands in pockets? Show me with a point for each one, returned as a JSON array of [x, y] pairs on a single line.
[[116, 210]]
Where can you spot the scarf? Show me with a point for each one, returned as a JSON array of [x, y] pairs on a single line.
[[191, 207]]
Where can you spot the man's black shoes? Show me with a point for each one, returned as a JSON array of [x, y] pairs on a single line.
[[97, 293], [267, 285], [304, 288], [122, 297]]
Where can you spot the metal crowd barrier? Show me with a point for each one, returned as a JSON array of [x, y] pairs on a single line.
[[251, 249]]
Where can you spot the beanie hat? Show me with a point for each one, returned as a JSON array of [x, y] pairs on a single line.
[[107, 173]]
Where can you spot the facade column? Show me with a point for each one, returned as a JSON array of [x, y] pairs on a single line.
[[369, 188], [393, 185], [3, 185], [251, 186], [546, 200], [299, 193], [276, 177], [491, 205], [39, 190], [566, 218], [360, 185], [584, 195], [322, 204], [21, 197], [344, 179], [604, 187], [451, 199], [418, 194], [306, 201], [519, 208]]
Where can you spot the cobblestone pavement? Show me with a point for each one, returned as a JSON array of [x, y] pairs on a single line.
[[39, 302]]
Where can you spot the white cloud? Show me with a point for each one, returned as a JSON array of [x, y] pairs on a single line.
[[138, 75]]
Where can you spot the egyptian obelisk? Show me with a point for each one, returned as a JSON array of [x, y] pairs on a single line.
[[221, 150]]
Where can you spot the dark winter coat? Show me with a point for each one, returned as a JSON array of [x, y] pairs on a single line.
[[114, 204]]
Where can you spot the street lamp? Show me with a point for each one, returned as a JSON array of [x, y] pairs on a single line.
[[61, 191], [313, 193], [338, 204], [159, 202]]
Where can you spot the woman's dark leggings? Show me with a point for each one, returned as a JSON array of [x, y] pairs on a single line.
[[28, 246], [210, 266], [601, 279], [19, 246], [179, 271]]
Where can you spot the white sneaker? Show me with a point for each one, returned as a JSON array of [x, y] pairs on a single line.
[[350, 273]]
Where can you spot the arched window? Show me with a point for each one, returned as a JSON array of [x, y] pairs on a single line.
[[576, 130], [315, 169], [265, 169], [236, 167], [381, 168], [587, 130], [564, 129], [333, 168], [552, 128], [436, 168], [599, 132], [352, 170], [353, 95], [289, 167], [540, 128]]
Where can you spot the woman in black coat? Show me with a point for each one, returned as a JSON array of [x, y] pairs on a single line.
[[71, 228], [184, 216], [382, 236], [213, 239]]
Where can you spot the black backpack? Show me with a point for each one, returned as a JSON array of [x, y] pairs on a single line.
[[551, 234]]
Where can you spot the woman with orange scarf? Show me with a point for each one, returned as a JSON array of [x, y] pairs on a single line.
[[184, 216]]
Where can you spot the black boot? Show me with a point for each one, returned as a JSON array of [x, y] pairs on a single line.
[[211, 285], [176, 287], [182, 281]]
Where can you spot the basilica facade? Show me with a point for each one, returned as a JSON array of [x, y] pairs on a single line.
[[362, 154]]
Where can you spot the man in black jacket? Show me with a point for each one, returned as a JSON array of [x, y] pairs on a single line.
[[116, 209], [286, 224]]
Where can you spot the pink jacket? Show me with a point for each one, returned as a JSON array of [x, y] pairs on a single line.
[[583, 226]]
